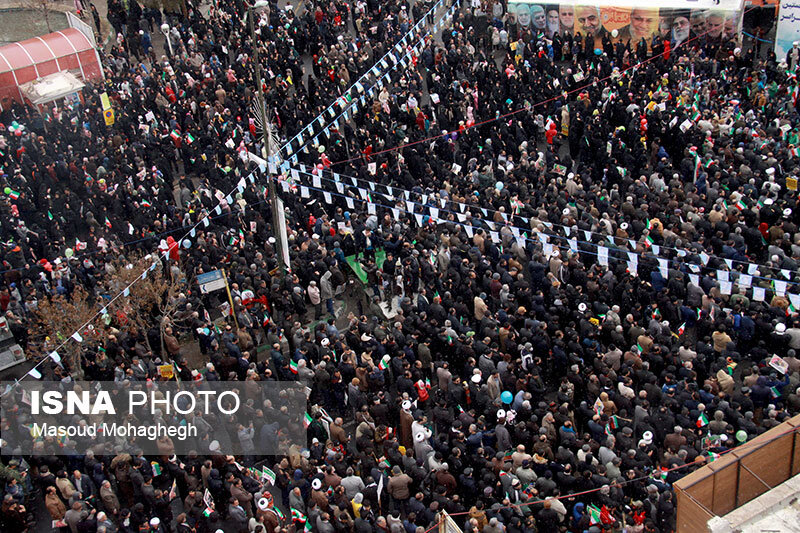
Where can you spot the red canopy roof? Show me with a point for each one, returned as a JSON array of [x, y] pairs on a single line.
[[34, 58]]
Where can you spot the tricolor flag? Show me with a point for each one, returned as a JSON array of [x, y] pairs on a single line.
[[297, 516], [146, 203], [293, 366], [306, 420], [265, 320], [697, 166], [189, 138], [594, 515], [13, 195], [175, 135], [740, 205], [278, 512], [108, 223], [794, 152], [681, 329], [49, 215], [774, 392], [384, 362], [702, 420], [156, 468]]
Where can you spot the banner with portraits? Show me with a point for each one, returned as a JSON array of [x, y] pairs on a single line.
[[621, 23]]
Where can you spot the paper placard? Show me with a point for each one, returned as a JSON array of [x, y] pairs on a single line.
[[780, 287], [725, 287], [779, 364], [758, 294], [685, 125], [745, 280], [602, 255]]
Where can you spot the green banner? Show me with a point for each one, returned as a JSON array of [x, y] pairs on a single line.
[[356, 266], [380, 257]]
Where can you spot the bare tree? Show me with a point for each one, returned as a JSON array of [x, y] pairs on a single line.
[[152, 299], [43, 7]]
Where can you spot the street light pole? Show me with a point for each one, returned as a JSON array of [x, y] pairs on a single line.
[[268, 149]]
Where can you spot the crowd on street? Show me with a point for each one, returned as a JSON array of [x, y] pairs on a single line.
[[572, 262]]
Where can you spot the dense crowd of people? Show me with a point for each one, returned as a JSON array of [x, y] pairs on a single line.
[[573, 262]]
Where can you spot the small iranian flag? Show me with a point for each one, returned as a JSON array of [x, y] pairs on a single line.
[[297, 516], [648, 241], [306, 420], [740, 205], [156, 468], [594, 515], [697, 166], [794, 152], [681, 329], [384, 362], [702, 420], [13, 195], [108, 223], [293, 366], [208, 512], [613, 422], [49, 215], [695, 116], [307, 527], [175, 135], [146, 203], [278, 512], [189, 138], [774, 392], [712, 457], [427, 383], [265, 321]]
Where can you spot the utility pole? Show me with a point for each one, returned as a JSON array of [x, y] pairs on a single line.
[[269, 149]]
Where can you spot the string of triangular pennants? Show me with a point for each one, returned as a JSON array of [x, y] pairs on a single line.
[[285, 168], [76, 335], [350, 103], [603, 253]]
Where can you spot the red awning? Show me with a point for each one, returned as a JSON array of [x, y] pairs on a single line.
[[26, 61]]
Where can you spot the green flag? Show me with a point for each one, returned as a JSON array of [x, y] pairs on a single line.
[[357, 268]]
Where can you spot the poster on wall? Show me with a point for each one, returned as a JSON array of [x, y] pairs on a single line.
[[627, 24], [788, 30]]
